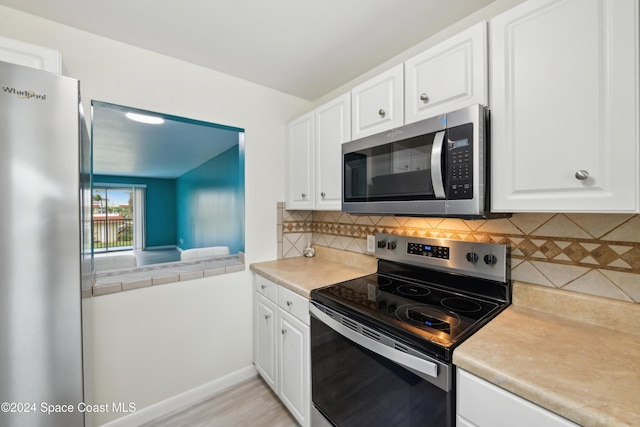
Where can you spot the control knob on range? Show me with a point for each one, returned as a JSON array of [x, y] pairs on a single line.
[[490, 259], [391, 245], [382, 244], [472, 257]]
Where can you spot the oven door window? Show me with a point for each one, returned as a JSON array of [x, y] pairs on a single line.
[[409, 169], [352, 386]]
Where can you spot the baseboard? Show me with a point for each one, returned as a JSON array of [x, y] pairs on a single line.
[[183, 400], [158, 248]]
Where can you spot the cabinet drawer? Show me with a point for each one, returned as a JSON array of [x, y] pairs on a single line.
[[266, 287], [477, 397], [294, 304]]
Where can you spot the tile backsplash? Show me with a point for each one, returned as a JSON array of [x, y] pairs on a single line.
[[597, 254]]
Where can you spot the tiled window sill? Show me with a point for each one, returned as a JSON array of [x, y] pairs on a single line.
[[113, 281]]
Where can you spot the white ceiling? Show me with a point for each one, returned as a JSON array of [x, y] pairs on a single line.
[[123, 147], [301, 47]]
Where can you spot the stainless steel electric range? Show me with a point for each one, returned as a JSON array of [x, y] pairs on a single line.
[[382, 345]]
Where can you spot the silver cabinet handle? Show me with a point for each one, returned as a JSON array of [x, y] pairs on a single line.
[[284, 332], [582, 175], [289, 303], [267, 317], [263, 286], [304, 195], [424, 98], [381, 113], [323, 194]]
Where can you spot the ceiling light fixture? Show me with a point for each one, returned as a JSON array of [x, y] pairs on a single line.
[[152, 120]]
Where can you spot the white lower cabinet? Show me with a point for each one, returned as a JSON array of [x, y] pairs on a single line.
[[293, 349], [265, 328], [482, 404], [281, 345]]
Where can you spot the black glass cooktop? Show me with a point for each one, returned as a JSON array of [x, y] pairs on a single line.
[[419, 310]]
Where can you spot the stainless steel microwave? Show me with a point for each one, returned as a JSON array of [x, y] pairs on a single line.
[[434, 167]]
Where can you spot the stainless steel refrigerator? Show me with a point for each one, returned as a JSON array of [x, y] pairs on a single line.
[[40, 252]]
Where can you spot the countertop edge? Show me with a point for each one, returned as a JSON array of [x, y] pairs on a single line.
[[301, 275], [574, 402]]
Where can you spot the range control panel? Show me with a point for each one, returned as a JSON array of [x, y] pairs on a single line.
[[428, 250], [485, 260]]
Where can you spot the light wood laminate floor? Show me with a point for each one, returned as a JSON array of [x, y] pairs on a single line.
[[250, 403]]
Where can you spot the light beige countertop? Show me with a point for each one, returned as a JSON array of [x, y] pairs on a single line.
[[573, 354], [329, 266]]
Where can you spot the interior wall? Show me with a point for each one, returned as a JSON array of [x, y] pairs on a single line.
[[210, 204], [148, 345], [160, 207], [156, 342]]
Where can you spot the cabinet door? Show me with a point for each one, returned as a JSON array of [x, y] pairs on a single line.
[[377, 104], [564, 87], [333, 128], [478, 399], [448, 76], [294, 374], [299, 163], [265, 340], [29, 55]]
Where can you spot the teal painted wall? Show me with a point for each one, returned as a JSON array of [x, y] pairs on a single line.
[[161, 211], [210, 203]]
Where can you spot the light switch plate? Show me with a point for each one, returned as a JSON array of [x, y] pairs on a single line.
[[371, 244]]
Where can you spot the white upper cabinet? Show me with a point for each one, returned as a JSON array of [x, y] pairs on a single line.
[[448, 76], [30, 55], [314, 153], [299, 179], [564, 107], [377, 104], [332, 129]]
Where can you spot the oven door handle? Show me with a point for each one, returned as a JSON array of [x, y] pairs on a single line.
[[406, 360], [436, 165]]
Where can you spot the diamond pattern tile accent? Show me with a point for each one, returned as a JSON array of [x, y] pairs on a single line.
[[566, 251], [575, 251], [632, 258], [550, 249]]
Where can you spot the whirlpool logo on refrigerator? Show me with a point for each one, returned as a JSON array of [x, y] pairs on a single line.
[[24, 94]]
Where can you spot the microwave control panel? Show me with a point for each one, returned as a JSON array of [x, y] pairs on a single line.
[[460, 162]]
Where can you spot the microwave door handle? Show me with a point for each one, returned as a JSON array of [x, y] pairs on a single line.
[[436, 165]]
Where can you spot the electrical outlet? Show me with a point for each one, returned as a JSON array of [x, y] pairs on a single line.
[[371, 244]]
